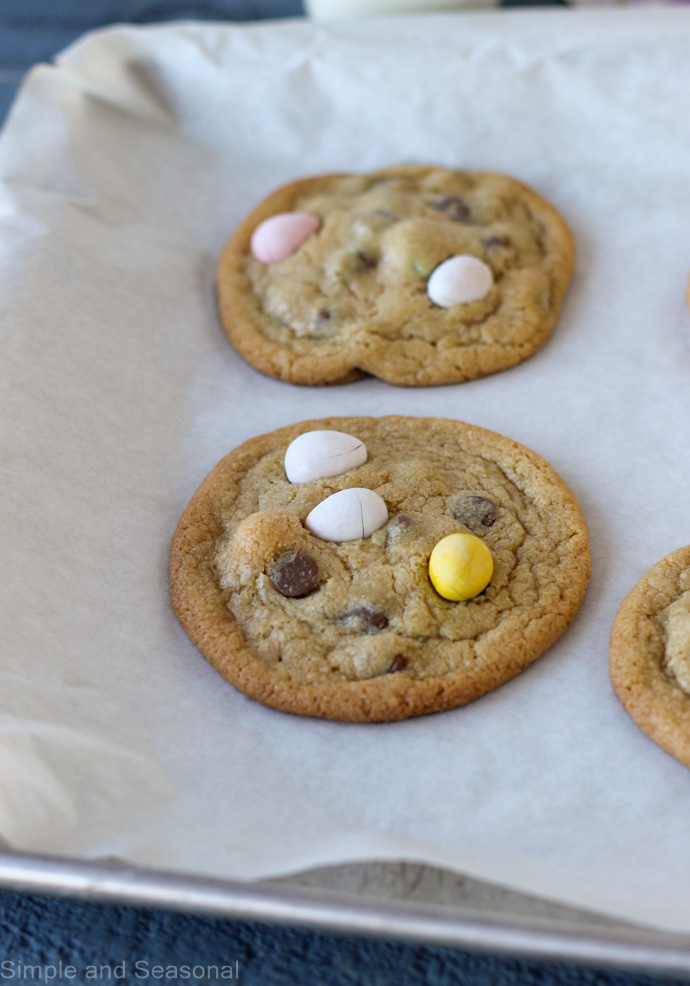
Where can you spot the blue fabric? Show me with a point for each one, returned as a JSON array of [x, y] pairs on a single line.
[[42, 933], [9, 83], [34, 30], [36, 931], [80, 16]]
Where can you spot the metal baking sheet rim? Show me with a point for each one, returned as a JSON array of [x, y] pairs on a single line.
[[510, 935], [632, 948]]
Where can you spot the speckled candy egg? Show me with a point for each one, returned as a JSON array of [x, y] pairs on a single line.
[[460, 567], [322, 454], [282, 235], [459, 280], [347, 515]]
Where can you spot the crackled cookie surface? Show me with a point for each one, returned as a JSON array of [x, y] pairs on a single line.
[[415, 275], [354, 629], [650, 654]]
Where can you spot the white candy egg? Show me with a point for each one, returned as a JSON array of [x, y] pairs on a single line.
[[347, 515], [320, 454], [459, 280], [282, 235]]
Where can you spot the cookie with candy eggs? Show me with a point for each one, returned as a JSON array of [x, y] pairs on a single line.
[[416, 275], [649, 654], [371, 569]]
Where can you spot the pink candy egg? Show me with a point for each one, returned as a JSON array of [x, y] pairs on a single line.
[[459, 280], [282, 235]]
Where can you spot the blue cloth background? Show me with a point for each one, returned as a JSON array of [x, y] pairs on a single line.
[[39, 931], [35, 931]]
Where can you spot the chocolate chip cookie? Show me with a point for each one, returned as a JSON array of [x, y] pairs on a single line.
[[417, 275], [650, 654], [314, 596]]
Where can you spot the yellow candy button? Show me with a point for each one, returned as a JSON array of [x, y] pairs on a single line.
[[460, 567]]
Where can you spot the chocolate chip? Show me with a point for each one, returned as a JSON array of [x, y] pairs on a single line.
[[496, 241], [366, 618], [404, 521], [294, 575], [397, 665], [455, 208], [473, 511], [366, 260], [324, 314]]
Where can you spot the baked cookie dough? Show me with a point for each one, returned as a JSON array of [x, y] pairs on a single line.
[[353, 629], [650, 654], [370, 252]]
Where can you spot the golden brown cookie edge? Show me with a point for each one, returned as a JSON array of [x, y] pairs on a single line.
[[659, 707], [238, 308], [200, 604]]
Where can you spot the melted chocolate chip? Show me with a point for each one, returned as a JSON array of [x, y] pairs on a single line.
[[496, 241], [367, 619], [397, 665], [366, 260], [455, 208], [294, 575], [473, 511]]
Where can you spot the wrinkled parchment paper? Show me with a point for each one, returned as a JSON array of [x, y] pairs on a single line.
[[123, 171]]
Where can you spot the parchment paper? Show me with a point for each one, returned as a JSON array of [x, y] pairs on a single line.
[[124, 169]]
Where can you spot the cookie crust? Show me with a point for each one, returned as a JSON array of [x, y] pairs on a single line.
[[322, 655], [353, 301], [639, 655]]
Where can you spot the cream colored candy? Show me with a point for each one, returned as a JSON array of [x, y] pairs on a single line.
[[460, 567], [321, 454], [347, 515], [282, 235], [459, 280]]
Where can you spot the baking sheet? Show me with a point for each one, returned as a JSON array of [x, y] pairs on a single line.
[[124, 169]]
